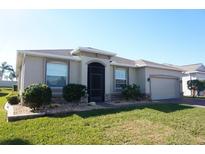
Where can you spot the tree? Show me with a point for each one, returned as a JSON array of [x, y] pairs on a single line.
[[5, 67], [192, 85], [196, 86], [12, 74], [200, 88]]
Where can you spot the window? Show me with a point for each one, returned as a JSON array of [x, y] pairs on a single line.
[[56, 74], [120, 78]]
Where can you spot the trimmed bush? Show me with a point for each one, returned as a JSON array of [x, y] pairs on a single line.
[[131, 92], [13, 98], [73, 92], [37, 95]]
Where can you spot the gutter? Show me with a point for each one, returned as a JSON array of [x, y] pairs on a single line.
[[119, 64], [190, 72], [92, 50], [172, 69], [76, 58]]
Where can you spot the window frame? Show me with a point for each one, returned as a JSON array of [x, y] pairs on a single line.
[[61, 63], [126, 78]]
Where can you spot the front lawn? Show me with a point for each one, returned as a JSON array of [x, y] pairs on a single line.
[[151, 124]]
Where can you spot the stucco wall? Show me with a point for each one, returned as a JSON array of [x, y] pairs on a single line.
[[140, 75], [75, 72], [84, 71], [112, 78], [34, 70], [155, 71], [93, 55], [132, 75], [185, 90], [21, 78]]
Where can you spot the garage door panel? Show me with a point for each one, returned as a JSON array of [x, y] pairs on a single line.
[[164, 88]]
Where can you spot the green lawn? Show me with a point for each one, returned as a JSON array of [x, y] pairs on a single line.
[[152, 124]]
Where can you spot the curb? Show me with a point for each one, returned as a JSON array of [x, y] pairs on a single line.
[[12, 117]]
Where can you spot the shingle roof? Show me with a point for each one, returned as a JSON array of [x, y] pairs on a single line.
[[115, 59], [67, 52], [121, 60], [193, 67], [146, 63]]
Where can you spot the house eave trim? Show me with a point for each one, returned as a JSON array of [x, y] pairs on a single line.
[[125, 65], [91, 50], [160, 68], [76, 58], [190, 72]]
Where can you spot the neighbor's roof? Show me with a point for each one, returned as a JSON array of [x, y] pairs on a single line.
[[146, 63], [193, 67]]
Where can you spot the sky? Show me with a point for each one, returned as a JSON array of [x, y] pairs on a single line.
[[163, 36]]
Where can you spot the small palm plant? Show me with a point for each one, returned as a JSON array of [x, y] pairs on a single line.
[[6, 67]]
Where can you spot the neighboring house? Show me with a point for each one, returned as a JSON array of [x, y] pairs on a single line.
[[192, 72], [4, 83], [102, 72]]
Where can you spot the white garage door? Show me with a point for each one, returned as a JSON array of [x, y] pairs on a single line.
[[164, 88]]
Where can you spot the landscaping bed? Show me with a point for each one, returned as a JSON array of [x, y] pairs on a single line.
[[19, 111]]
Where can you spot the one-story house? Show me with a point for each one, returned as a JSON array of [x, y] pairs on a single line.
[[103, 72], [192, 72]]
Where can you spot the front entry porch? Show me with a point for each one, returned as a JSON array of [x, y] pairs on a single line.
[[96, 82]]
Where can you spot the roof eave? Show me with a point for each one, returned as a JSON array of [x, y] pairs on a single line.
[[122, 65], [172, 69], [76, 58], [19, 60], [92, 50]]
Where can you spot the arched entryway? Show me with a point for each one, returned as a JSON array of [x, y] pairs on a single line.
[[96, 82]]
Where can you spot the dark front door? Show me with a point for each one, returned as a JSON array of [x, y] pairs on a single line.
[[96, 82]]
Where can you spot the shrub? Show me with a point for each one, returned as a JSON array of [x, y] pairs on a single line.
[[131, 92], [196, 86], [13, 98], [73, 92], [37, 95]]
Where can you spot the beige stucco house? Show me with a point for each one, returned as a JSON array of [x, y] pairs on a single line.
[[102, 72]]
